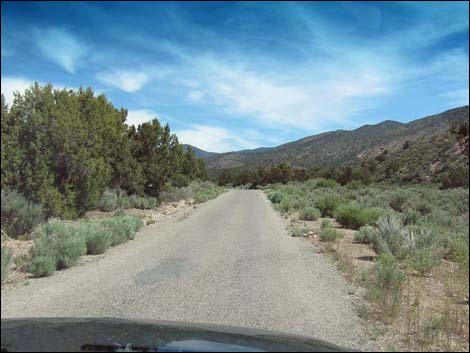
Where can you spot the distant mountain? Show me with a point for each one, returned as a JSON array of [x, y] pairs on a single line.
[[340, 147], [198, 152]]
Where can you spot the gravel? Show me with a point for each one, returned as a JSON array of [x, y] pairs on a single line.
[[230, 261]]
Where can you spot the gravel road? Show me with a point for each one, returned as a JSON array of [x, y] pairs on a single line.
[[230, 261]]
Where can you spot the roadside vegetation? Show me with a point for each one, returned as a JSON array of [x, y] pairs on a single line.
[[84, 158], [407, 246]]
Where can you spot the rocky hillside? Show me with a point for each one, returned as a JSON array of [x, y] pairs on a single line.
[[341, 147]]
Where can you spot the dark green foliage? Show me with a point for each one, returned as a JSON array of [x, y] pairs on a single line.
[[353, 216], [63, 148], [19, 216], [327, 204], [7, 256]]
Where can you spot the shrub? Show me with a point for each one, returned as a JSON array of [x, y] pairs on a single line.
[[18, 215], [422, 261], [119, 213], [393, 238], [286, 205], [326, 183], [109, 201], [299, 231], [97, 237], [329, 234], [42, 266], [275, 197], [310, 214], [59, 241], [7, 256], [365, 234], [119, 234], [327, 204], [388, 276], [325, 223], [354, 217], [180, 180], [387, 285], [397, 201]]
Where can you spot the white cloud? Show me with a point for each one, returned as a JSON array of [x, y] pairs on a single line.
[[196, 95], [61, 47], [139, 116], [126, 80], [213, 139], [14, 84]]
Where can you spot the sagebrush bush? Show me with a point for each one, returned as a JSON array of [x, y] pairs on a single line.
[[299, 231], [97, 237], [109, 201], [330, 234], [422, 261], [60, 241], [392, 237], [365, 234], [42, 266], [18, 215], [309, 214], [354, 216], [398, 200], [327, 204], [325, 223], [326, 183], [7, 256]]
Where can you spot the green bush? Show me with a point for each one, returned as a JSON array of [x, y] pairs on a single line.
[[7, 256], [42, 266], [329, 234], [365, 234], [276, 197], [109, 201], [119, 234], [326, 183], [310, 214], [325, 223], [392, 237], [327, 204], [422, 261], [18, 215], [97, 237], [354, 217], [60, 241], [398, 200], [299, 231]]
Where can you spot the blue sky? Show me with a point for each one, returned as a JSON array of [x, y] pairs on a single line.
[[230, 76]]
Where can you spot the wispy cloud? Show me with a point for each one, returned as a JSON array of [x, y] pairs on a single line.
[[214, 139], [126, 80], [61, 47]]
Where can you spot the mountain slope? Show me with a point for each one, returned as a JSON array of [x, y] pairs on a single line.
[[341, 147], [198, 152]]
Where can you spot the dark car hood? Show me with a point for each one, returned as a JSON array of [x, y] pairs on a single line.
[[109, 334]]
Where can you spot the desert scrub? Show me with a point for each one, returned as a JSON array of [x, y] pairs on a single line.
[[59, 241], [325, 223], [299, 231], [330, 234], [42, 266], [19, 216], [309, 214], [7, 256], [97, 237], [353, 216], [388, 282], [326, 183], [365, 234], [327, 204], [117, 199]]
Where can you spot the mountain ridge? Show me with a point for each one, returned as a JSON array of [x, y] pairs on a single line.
[[338, 147]]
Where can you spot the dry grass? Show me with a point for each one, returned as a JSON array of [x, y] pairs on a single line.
[[433, 311]]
